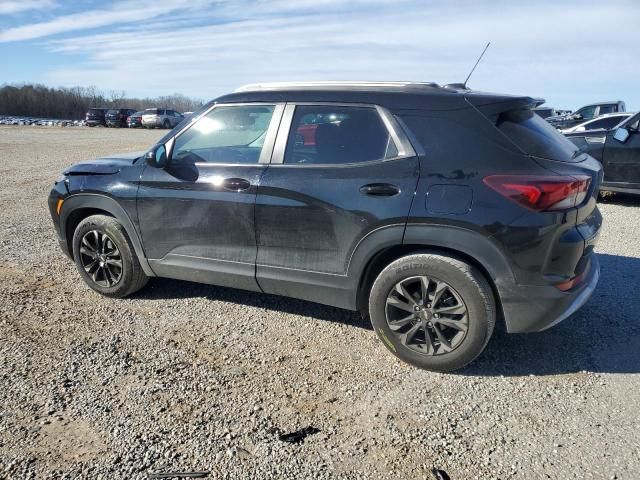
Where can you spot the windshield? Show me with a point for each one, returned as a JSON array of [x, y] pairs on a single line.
[[535, 136]]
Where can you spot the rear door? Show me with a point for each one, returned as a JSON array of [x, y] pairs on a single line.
[[621, 161], [338, 173], [196, 215]]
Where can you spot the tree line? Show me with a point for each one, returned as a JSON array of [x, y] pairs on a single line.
[[72, 103]]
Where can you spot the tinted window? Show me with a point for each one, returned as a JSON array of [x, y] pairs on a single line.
[[587, 112], [535, 136], [332, 134], [225, 135], [607, 109], [607, 123]]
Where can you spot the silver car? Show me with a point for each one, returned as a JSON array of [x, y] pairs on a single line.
[[160, 117]]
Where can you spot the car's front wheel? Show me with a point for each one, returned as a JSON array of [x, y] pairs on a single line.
[[105, 257], [433, 311]]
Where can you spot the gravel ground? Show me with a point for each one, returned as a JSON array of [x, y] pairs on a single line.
[[185, 377]]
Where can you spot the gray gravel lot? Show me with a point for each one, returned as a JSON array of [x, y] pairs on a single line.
[[185, 377]]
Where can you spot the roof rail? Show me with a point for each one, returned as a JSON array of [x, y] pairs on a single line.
[[284, 85]]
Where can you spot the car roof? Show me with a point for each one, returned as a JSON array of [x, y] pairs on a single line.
[[603, 103], [397, 95]]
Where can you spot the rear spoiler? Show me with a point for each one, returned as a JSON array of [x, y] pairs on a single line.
[[491, 106]]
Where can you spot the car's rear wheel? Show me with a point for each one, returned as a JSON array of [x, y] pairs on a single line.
[[166, 124], [105, 257], [433, 311]]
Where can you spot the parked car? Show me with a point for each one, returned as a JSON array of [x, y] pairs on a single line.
[[619, 152], [96, 116], [603, 122], [585, 113], [545, 112], [160, 117], [135, 120], [117, 117], [435, 212]]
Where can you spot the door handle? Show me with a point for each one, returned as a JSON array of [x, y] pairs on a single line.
[[236, 184], [379, 190]]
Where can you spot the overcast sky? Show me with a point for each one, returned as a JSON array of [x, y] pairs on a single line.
[[569, 52]]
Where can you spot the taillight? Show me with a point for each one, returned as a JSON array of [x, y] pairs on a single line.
[[538, 192]]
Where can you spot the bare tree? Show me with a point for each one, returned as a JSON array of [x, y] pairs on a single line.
[[73, 103]]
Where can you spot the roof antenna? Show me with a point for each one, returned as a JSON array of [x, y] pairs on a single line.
[[464, 85]]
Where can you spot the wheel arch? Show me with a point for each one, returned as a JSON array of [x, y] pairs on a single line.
[[467, 245], [77, 207]]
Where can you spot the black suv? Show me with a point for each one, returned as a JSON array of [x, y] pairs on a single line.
[[435, 211], [96, 116], [117, 117]]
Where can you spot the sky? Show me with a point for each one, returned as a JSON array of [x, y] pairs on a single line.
[[569, 52]]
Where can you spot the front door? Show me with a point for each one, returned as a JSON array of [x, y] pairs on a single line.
[[196, 215], [338, 173], [621, 161]]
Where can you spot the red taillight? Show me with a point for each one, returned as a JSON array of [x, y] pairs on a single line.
[[538, 192], [569, 284]]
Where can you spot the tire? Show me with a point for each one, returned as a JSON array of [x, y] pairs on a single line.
[[90, 254], [466, 303], [166, 124]]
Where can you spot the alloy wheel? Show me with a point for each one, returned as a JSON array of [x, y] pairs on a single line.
[[101, 258], [427, 315]]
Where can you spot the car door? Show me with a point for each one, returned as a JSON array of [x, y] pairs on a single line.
[[196, 215], [338, 173], [621, 161]]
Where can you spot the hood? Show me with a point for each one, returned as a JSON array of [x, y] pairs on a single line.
[[104, 165]]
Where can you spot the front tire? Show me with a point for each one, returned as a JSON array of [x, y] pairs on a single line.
[[105, 257], [433, 311]]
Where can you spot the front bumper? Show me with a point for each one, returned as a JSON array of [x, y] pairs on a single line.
[[529, 308]]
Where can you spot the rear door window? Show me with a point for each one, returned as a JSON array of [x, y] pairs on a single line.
[[607, 109], [327, 134]]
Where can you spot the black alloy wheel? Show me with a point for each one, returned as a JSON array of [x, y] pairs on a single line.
[[101, 258], [427, 314]]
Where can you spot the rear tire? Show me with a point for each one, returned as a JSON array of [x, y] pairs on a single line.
[[105, 257], [166, 124], [439, 324]]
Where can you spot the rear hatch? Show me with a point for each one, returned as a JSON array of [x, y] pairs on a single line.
[[113, 115], [95, 114], [150, 115], [535, 138]]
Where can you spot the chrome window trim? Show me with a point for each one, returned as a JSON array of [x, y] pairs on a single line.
[[267, 147], [395, 131]]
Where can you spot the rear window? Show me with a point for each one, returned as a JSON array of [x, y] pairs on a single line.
[[113, 112], [534, 136], [151, 111], [97, 111]]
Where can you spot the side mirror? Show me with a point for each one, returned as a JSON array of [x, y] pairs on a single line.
[[157, 156], [621, 135]]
